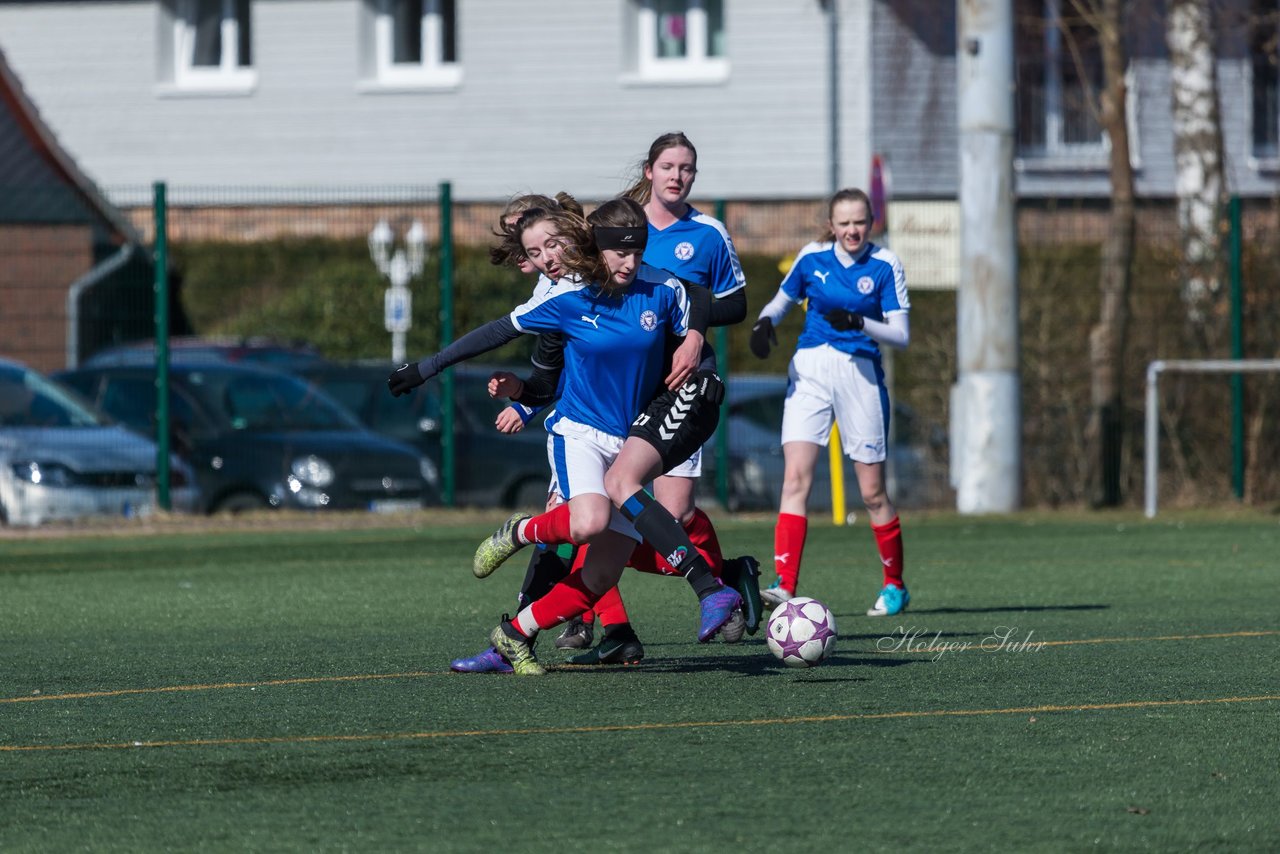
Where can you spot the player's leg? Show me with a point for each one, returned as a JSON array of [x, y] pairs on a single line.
[[675, 491], [602, 567], [862, 411], [807, 415], [792, 527], [674, 426]]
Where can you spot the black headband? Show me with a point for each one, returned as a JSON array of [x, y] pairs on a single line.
[[621, 238]]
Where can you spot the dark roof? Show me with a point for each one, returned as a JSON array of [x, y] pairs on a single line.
[[41, 182]]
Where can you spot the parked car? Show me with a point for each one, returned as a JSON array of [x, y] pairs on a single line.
[[752, 414], [266, 352], [61, 460], [492, 469], [259, 438]]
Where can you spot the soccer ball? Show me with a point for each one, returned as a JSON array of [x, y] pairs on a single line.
[[802, 632]]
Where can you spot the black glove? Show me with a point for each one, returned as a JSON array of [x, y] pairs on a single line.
[[843, 320], [710, 386], [763, 338], [405, 379]]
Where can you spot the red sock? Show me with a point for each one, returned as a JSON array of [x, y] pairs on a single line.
[[611, 610], [549, 527], [788, 548], [703, 536], [645, 559], [889, 541], [567, 599], [579, 558]]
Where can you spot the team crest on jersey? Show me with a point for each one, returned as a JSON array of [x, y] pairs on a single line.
[[648, 321], [866, 285], [684, 251]]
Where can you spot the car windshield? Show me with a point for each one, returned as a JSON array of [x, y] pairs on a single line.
[[29, 400], [262, 402]]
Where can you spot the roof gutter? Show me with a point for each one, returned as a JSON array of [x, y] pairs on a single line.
[[78, 288]]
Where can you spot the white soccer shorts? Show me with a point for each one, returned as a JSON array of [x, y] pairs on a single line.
[[827, 384], [691, 467], [579, 456]]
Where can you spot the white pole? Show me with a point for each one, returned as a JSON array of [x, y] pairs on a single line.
[[1152, 448], [988, 448]]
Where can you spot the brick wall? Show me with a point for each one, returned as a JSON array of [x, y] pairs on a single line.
[[37, 266]]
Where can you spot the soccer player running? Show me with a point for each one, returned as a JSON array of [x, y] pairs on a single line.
[[614, 313], [857, 301]]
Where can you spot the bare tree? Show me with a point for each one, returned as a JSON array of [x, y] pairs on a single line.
[[1105, 429], [1190, 34]]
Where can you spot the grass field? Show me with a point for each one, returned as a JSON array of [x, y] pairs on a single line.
[[289, 690]]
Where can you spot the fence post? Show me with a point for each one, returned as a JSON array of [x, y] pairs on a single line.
[[1237, 352], [448, 458], [160, 215]]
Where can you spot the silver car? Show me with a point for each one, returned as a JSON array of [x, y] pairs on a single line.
[[61, 460]]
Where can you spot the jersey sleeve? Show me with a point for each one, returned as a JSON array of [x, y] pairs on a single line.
[[893, 291], [795, 283], [542, 313]]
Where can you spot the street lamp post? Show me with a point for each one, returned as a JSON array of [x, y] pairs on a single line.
[[400, 265]]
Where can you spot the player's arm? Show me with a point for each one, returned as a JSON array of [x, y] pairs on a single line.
[[729, 309], [491, 336]]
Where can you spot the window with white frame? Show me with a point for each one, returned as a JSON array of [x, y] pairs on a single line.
[[213, 45], [416, 43], [680, 41], [1059, 77], [1264, 82]]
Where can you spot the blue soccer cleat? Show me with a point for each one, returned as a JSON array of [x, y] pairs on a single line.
[[486, 662], [717, 609], [892, 600]]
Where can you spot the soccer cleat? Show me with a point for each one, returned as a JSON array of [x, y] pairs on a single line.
[[576, 635], [717, 609], [892, 600], [743, 574], [623, 647], [488, 661], [500, 546], [775, 594], [732, 631], [517, 651]]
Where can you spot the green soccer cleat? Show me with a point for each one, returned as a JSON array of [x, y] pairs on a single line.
[[517, 651], [500, 546]]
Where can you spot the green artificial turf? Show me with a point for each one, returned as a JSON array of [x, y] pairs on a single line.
[[290, 690]]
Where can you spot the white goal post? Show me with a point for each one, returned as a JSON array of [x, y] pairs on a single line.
[[1193, 366]]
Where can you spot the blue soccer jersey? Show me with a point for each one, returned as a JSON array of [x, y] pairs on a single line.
[[614, 344], [872, 285], [697, 248]]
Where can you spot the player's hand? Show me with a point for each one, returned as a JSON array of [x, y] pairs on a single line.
[[843, 320], [405, 379], [763, 338], [684, 361], [711, 387], [509, 421], [505, 384]]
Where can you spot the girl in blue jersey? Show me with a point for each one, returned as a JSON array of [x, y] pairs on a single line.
[[614, 349], [857, 301], [698, 249]]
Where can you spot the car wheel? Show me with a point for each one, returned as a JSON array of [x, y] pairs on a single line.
[[529, 492], [240, 502]]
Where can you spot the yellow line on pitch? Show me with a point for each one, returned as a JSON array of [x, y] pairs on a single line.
[[217, 686], [419, 674], [578, 730]]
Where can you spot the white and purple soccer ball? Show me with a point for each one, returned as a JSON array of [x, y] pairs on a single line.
[[802, 632]]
